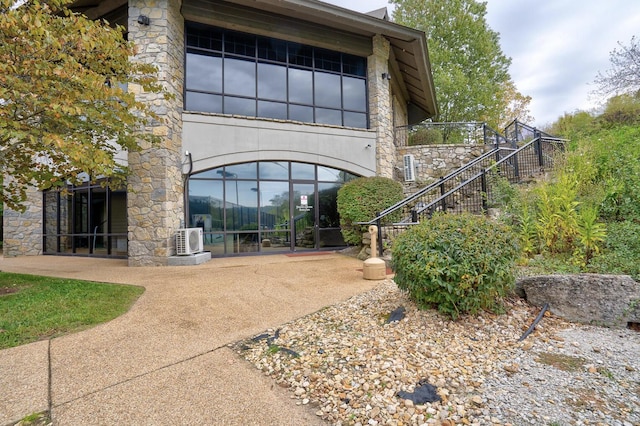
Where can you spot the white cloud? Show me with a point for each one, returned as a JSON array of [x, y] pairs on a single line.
[[557, 47]]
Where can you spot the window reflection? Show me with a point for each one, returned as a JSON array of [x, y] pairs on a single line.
[[204, 72], [206, 205], [204, 37], [329, 174], [301, 113], [204, 102], [300, 55], [242, 171], [327, 90], [274, 170], [328, 116], [303, 171], [328, 60], [240, 43], [328, 208], [274, 110], [272, 49], [355, 93], [272, 82], [274, 205], [236, 73], [300, 86], [240, 213], [355, 119], [239, 77], [216, 173], [354, 65], [241, 205], [240, 106]]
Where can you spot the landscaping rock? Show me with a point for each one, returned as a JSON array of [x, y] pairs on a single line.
[[607, 300], [423, 393], [354, 371], [396, 315]]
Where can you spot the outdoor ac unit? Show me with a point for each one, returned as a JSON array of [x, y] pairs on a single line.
[[409, 168], [189, 241]]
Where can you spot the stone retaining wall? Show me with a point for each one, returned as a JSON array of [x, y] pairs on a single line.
[[435, 161]]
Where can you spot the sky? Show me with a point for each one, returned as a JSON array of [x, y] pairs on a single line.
[[557, 47]]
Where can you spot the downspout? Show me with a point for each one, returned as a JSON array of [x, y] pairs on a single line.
[[185, 190]]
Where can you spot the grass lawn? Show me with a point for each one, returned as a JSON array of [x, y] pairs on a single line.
[[34, 308]]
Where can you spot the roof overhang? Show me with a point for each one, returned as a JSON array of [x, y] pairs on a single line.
[[409, 58], [409, 52]]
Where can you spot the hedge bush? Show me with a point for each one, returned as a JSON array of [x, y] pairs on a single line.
[[459, 263], [360, 199]]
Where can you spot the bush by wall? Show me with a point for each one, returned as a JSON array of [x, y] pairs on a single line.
[[360, 199], [457, 263]]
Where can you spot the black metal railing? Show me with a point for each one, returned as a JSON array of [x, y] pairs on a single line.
[[435, 189], [521, 132], [471, 188], [476, 194], [467, 133]]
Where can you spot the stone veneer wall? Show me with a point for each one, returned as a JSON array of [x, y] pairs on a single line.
[[435, 161], [155, 188], [400, 119], [380, 106], [23, 231]]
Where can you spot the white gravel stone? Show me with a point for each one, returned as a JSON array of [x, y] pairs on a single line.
[[352, 365]]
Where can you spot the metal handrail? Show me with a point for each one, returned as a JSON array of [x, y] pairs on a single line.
[[510, 160], [495, 139], [473, 130], [502, 161], [431, 186]]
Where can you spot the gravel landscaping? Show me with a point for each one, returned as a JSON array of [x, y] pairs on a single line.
[[349, 366]]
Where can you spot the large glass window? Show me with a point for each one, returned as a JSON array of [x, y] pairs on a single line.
[[266, 206], [236, 73], [86, 220]]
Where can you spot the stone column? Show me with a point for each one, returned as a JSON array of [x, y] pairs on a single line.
[[23, 231], [154, 188], [380, 106]]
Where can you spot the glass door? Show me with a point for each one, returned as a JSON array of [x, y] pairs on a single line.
[[304, 225]]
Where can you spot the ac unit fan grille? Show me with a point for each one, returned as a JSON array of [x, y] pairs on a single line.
[[189, 241]]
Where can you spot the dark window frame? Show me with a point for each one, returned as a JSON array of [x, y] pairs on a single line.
[[201, 39]]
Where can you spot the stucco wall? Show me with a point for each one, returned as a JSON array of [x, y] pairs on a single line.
[[214, 140]]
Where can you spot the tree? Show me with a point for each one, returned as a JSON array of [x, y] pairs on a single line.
[[470, 71], [622, 109], [516, 106], [63, 111], [624, 75]]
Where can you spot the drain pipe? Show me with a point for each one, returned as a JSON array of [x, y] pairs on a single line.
[[185, 193], [535, 322]]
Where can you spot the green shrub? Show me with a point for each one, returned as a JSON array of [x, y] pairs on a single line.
[[621, 251], [457, 263], [502, 194], [361, 199], [425, 136]]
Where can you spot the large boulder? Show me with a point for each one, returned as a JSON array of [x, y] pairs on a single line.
[[608, 300]]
